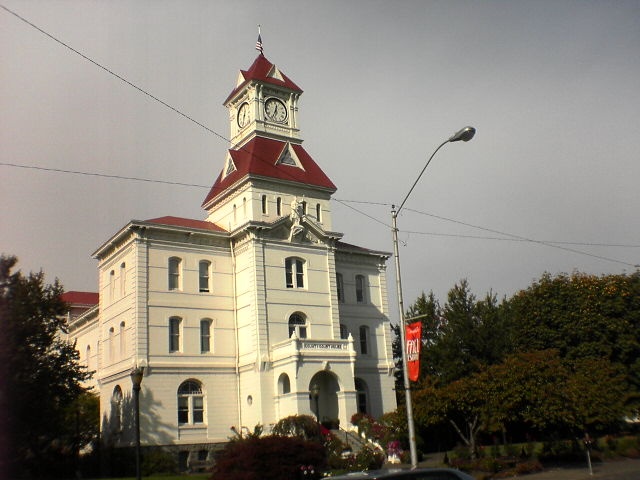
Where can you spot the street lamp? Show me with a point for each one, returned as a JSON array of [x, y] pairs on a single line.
[[464, 135], [136, 379]]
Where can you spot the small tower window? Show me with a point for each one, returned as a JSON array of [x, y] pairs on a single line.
[[318, 212], [264, 204], [279, 206]]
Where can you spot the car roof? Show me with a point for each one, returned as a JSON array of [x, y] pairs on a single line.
[[400, 473]]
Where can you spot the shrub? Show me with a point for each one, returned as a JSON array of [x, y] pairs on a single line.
[[270, 458], [303, 426], [158, 461]]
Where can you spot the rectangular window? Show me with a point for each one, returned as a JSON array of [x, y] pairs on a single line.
[[294, 272], [183, 409], [198, 410], [279, 206], [264, 204], [340, 287], [364, 347], [299, 274], [174, 334], [360, 288], [205, 336], [204, 275]]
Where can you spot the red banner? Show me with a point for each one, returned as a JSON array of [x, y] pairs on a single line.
[[413, 336]]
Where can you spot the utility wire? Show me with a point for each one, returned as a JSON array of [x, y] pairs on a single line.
[[344, 202], [519, 237]]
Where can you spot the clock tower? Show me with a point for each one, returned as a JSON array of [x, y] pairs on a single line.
[[264, 103]]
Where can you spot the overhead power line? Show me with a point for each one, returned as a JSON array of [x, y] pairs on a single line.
[[552, 244]]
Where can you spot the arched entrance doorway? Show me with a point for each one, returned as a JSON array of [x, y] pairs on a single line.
[[323, 398]]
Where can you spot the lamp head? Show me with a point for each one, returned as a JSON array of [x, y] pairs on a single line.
[[465, 135], [136, 376]]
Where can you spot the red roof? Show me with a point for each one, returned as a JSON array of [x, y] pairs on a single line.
[[80, 298], [187, 222], [259, 158], [259, 71]]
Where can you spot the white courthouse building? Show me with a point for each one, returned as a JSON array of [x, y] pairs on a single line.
[[238, 316]]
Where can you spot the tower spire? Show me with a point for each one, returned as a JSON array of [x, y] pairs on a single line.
[[259, 42]]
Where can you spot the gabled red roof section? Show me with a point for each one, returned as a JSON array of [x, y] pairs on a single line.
[[186, 222], [259, 71], [259, 158], [80, 298]]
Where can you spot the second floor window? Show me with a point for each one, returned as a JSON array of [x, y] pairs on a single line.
[[294, 272], [175, 265], [364, 340], [205, 335], [174, 334], [360, 294], [204, 267], [340, 287]]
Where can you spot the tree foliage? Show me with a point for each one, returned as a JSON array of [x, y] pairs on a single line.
[[41, 377], [562, 356]]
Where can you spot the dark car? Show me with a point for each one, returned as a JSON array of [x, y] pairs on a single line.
[[418, 474]]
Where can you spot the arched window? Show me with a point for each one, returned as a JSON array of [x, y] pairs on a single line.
[[298, 324], [122, 341], [361, 395], [364, 340], [340, 287], [235, 213], [284, 384], [264, 204], [112, 285], [175, 267], [279, 206], [318, 212], [123, 279], [112, 347], [204, 269], [360, 289], [244, 208], [294, 272], [116, 408], [88, 357], [174, 334], [304, 207], [190, 403], [205, 335]]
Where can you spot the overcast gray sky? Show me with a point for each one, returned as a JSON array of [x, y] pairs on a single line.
[[551, 86]]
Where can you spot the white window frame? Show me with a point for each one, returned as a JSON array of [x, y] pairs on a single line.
[[175, 334], [191, 400], [295, 272], [206, 325], [298, 323], [174, 269], [204, 276]]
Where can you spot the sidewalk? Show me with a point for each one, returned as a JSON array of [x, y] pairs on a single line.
[[626, 469], [623, 469]]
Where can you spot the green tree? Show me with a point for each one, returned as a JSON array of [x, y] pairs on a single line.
[[583, 316], [40, 375]]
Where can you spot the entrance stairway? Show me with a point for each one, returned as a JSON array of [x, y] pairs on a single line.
[[351, 439]]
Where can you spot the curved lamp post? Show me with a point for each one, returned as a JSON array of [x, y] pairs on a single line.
[[464, 135], [136, 379]]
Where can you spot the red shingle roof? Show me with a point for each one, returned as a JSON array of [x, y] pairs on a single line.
[[186, 222], [259, 158], [80, 298], [259, 71]]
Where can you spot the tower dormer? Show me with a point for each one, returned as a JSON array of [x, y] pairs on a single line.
[[264, 103]]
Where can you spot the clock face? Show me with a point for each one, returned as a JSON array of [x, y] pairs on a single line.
[[243, 115], [275, 110]]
